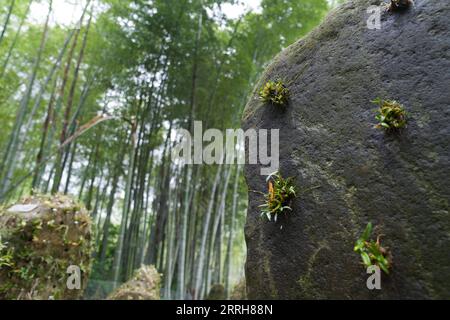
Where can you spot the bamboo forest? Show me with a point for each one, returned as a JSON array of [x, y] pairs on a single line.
[[115, 183]]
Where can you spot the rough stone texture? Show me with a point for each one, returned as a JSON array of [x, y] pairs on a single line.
[[400, 182], [145, 285], [40, 237]]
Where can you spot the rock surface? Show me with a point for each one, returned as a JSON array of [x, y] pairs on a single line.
[[400, 181], [145, 285], [40, 238]]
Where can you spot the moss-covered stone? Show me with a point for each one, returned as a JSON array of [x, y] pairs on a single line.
[[145, 285], [40, 237]]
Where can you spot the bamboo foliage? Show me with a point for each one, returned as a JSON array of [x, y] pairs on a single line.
[[8, 16], [13, 144]]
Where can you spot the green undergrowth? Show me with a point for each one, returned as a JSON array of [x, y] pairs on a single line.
[[40, 237]]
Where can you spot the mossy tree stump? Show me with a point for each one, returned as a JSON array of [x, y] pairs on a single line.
[[40, 238], [145, 285]]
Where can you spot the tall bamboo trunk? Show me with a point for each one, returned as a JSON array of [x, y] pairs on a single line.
[[111, 200], [188, 169], [126, 206], [68, 110], [214, 257], [41, 154], [206, 222], [10, 157], [228, 256], [15, 40]]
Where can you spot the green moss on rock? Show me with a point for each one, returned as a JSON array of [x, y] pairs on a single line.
[[40, 237], [145, 285]]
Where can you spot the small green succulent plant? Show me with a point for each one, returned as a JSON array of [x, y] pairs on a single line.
[[372, 253], [274, 92], [391, 115], [279, 196]]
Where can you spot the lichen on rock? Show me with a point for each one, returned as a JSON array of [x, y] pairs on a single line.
[[40, 238], [145, 285]]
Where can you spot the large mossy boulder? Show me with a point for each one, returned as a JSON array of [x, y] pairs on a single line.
[[44, 240], [398, 180], [145, 285]]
